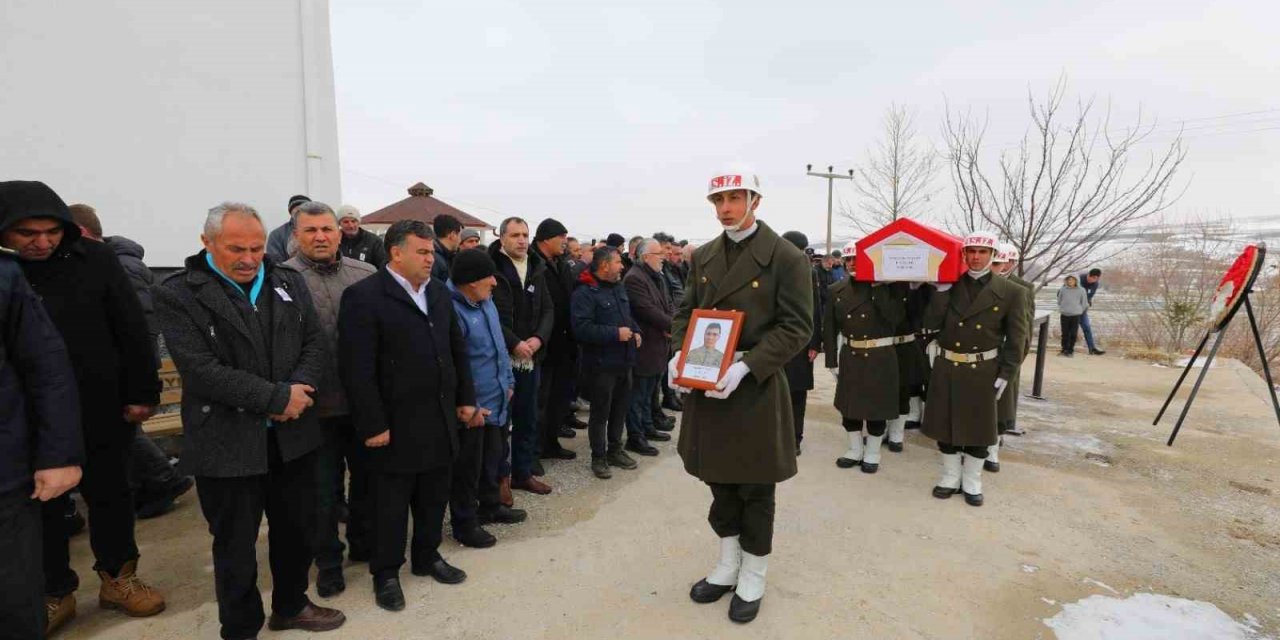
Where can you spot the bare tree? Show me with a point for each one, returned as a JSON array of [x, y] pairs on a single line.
[[897, 178], [1066, 193]]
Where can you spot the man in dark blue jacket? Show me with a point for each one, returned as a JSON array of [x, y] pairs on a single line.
[[1089, 282], [609, 337], [41, 453]]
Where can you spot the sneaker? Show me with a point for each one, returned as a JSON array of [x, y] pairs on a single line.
[[126, 592], [620, 460], [600, 467]]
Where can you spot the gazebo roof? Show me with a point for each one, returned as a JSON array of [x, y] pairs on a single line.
[[420, 205]]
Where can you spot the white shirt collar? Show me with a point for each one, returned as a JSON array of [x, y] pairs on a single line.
[[419, 296], [739, 236]]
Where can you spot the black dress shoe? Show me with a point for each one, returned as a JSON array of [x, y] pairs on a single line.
[[993, 467], [442, 571], [942, 493], [330, 582], [575, 406], [895, 447], [566, 432], [672, 403], [704, 592], [911, 424], [474, 537], [1015, 431], [502, 515], [847, 463], [641, 447], [359, 554], [664, 422], [870, 467], [973, 499], [574, 423], [1097, 352], [742, 611], [388, 594], [657, 436], [558, 453]]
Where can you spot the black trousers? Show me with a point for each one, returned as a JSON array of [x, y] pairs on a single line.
[[744, 510], [971, 451], [474, 487], [150, 472], [798, 401], [874, 427], [610, 398], [1070, 327], [341, 443], [396, 494], [21, 573], [234, 507], [105, 489], [555, 392]]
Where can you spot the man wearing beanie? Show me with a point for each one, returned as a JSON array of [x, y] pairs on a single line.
[[470, 239], [359, 244], [278, 239], [555, 389], [88, 295], [481, 440]]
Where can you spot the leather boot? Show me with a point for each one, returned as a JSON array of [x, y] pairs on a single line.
[[949, 485], [59, 611], [972, 480], [533, 485], [126, 592], [723, 577], [750, 592], [504, 492], [871, 456], [853, 456]]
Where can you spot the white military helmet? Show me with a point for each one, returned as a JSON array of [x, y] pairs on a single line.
[[732, 179], [1012, 254], [1001, 255], [849, 250], [985, 239]]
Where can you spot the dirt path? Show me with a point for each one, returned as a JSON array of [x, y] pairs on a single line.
[[1089, 502]]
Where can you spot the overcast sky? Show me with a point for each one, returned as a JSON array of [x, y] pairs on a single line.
[[614, 118]]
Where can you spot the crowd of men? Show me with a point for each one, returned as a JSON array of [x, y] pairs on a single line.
[[437, 374]]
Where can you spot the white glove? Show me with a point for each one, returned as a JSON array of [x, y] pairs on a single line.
[[942, 286], [834, 371], [673, 372], [732, 378], [1000, 385]]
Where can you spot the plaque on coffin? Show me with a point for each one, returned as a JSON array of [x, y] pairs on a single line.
[[907, 251]]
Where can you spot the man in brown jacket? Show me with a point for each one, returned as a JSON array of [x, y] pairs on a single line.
[[983, 325], [868, 315], [739, 438]]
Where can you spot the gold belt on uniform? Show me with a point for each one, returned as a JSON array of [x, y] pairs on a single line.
[[879, 342], [981, 356]]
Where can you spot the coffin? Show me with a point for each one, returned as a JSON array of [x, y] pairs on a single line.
[[908, 251]]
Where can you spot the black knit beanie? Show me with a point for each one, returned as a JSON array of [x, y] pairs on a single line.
[[471, 265]]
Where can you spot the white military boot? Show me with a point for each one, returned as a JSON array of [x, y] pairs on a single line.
[[915, 412], [971, 480], [750, 592], [896, 430], [853, 456], [992, 463], [723, 577], [949, 485], [871, 456]]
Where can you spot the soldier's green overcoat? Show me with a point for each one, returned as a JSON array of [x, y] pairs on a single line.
[[1007, 410], [867, 387]]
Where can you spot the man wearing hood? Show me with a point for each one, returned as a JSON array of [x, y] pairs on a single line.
[[525, 309], [88, 295], [155, 483]]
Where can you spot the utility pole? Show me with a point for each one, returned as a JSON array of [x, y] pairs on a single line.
[[830, 175]]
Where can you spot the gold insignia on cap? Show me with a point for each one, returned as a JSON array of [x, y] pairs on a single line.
[[995, 308], [704, 279], [979, 326]]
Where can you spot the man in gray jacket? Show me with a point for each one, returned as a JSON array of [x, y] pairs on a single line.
[[327, 274], [244, 335]]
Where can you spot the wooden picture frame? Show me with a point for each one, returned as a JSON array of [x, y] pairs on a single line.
[[694, 369]]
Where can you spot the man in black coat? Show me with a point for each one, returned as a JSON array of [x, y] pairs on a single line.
[[528, 318], [404, 365], [653, 310], [800, 368], [244, 335], [448, 231], [359, 244], [560, 363], [40, 444], [91, 301]]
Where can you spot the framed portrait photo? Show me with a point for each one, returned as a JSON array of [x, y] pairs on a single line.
[[709, 345]]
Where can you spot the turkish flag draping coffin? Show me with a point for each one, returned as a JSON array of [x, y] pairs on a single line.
[[908, 251]]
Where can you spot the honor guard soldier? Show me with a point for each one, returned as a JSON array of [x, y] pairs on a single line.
[[740, 439], [1008, 420], [913, 366], [868, 316], [983, 327]]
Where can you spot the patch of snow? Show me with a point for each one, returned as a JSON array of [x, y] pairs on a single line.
[[1146, 616], [1030, 568], [1199, 363], [1099, 584]]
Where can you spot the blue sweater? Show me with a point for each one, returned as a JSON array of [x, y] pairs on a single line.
[[487, 353]]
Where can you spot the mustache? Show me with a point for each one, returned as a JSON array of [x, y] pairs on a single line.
[[244, 266]]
